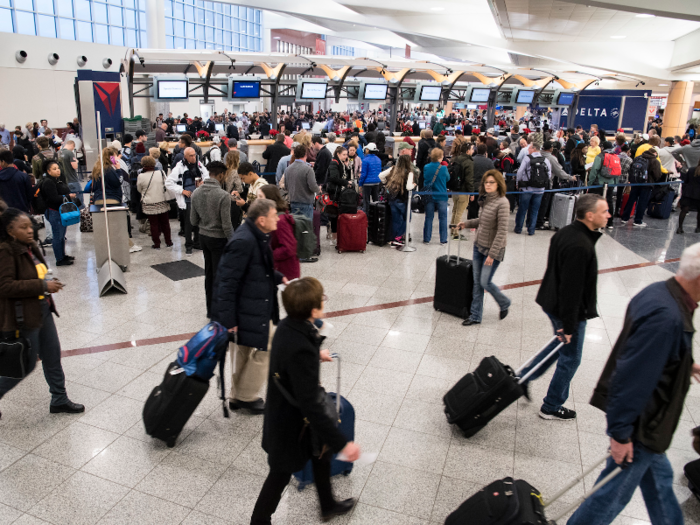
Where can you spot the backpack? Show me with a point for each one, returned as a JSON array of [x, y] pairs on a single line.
[[206, 158], [456, 179], [200, 355], [611, 165], [38, 201], [539, 175], [305, 236], [639, 170], [348, 201], [258, 168]]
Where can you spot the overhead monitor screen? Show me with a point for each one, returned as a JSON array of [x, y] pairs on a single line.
[[525, 97], [181, 128], [565, 99], [430, 93], [219, 127], [480, 95], [246, 90], [375, 92], [172, 89], [313, 90]]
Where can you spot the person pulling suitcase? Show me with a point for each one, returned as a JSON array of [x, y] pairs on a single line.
[[568, 297]]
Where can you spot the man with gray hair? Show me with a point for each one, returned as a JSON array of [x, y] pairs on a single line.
[[233, 146], [568, 297], [245, 302], [533, 177], [642, 391]]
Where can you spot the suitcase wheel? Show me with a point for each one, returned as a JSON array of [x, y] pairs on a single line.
[[171, 442]]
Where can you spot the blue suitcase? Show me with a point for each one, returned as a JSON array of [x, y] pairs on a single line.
[[347, 426], [662, 209]]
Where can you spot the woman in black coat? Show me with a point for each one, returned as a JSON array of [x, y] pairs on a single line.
[[690, 197], [294, 367]]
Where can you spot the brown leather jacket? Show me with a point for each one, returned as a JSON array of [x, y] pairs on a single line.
[[19, 281]]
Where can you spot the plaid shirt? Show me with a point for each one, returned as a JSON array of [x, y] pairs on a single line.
[[625, 163]]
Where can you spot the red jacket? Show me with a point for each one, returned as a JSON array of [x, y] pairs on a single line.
[[284, 248]]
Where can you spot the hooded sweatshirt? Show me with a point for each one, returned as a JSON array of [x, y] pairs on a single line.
[[690, 154], [15, 188]]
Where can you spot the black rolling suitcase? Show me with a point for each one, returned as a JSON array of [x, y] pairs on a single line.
[[692, 472], [379, 223], [515, 502], [454, 283], [172, 403], [481, 395], [511, 186]]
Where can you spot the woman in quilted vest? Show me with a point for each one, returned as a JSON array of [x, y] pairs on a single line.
[[489, 243]]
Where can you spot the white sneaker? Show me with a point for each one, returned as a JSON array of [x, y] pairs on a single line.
[[609, 227], [135, 248], [641, 225], [623, 222]]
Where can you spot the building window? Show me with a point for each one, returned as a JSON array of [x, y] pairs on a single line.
[[115, 22], [219, 26], [343, 51]]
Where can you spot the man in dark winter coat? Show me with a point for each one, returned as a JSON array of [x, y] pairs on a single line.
[[426, 143], [274, 152], [568, 297], [323, 160], [15, 185], [642, 391], [245, 302]]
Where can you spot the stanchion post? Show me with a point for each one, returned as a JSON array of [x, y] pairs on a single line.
[[407, 235], [605, 191]]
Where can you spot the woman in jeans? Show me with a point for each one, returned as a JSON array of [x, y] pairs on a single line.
[[55, 192], [399, 183], [435, 177], [288, 427], [22, 283], [489, 244]]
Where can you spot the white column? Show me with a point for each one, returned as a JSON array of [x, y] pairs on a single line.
[[155, 16]]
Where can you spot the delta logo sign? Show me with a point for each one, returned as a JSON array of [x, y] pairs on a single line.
[[594, 112], [108, 93]]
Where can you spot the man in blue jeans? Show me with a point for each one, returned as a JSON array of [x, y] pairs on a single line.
[[531, 185], [568, 297], [642, 391], [300, 182]]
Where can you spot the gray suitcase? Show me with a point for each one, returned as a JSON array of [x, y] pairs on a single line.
[[562, 212]]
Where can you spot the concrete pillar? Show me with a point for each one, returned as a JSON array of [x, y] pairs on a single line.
[[678, 109], [155, 17], [520, 112]]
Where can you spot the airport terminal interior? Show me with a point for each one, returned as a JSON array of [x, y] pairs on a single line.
[[515, 75]]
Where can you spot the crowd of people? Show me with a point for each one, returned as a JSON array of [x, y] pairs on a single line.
[[252, 224]]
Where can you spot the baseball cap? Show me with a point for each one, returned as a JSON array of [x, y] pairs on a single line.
[[645, 136], [404, 145], [371, 147]]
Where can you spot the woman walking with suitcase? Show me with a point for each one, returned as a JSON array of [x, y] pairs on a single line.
[[294, 432], [489, 244]]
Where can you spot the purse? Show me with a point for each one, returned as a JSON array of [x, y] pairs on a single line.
[[15, 350], [70, 214], [330, 409], [85, 221], [425, 199]]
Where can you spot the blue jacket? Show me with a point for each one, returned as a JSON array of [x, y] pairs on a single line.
[[371, 168], [640, 389], [245, 290], [440, 185], [113, 185]]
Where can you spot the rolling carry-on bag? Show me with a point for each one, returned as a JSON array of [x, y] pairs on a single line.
[[317, 231], [172, 403], [454, 283], [481, 395], [346, 424], [662, 209], [352, 232], [515, 502], [562, 212], [692, 472], [379, 223]]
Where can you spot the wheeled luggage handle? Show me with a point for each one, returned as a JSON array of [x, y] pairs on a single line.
[[449, 244], [583, 498], [541, 363], [336, 355], [526, 363]]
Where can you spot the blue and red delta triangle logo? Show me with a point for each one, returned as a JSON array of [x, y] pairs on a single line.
[[109, 94]]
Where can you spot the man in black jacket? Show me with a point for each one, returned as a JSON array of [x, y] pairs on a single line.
[[425, 145], [642, 390], [245, 302], [568, 297], [323, 160], [274, 152], [15, 185], [482, 164]]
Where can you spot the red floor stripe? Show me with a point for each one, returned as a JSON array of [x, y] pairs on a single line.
[[337, 313]]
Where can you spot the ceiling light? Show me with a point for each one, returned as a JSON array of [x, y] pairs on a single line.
[[645, 15], [664, 85], [618, 37], [437, 8]]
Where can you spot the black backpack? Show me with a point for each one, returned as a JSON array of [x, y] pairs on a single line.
[[639, 170], [348, 201], [38, 201], [539, 175], [456, 172]]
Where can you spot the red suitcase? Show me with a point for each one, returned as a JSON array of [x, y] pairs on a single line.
[[625, 198], [352, 232]]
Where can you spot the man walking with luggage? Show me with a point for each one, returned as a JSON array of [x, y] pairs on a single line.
[[642, 390], [533, 177], [245, 302], [568, 297]]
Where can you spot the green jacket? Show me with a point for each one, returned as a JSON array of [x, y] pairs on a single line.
[[468, 172], [595, 178]]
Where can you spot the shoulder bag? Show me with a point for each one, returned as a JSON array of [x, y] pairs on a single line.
[[425, 199], [15, 349]]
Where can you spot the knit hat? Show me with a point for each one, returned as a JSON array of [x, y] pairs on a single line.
[[537, 139]]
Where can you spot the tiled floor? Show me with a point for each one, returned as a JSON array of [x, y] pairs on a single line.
[[101, 467]]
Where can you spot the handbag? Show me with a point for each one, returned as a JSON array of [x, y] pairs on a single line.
[[70, 214], [15, 350], [85, 221], [329, 409], [425, 199]]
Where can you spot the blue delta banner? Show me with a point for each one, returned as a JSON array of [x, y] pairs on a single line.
[[604, 111]]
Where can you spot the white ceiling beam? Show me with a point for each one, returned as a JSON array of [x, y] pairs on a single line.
[[682, 9], [686, 52]]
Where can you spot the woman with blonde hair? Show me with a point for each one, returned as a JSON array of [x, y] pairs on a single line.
[[304, 138], [489, 244], [233, 185], [164, 148], [593, 150]]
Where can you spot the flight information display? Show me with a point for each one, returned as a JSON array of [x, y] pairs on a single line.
[[172, 89], [480, 95], [246, 90], [313, 90]]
